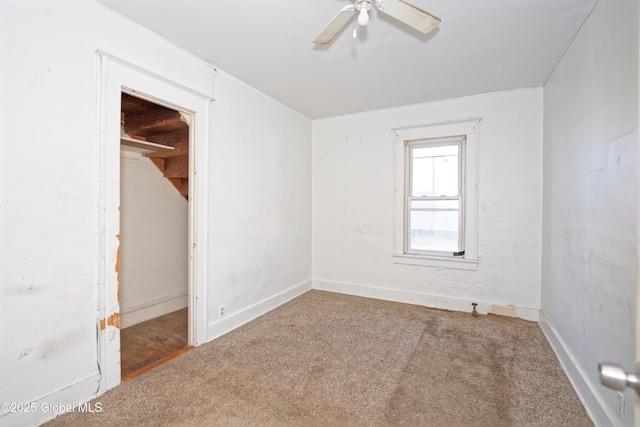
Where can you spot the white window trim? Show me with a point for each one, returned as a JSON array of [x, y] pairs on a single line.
[[468, 129]]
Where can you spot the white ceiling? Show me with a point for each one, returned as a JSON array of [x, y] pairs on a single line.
[[481, 46]]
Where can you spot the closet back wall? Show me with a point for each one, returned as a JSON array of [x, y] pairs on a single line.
[[153, 242]]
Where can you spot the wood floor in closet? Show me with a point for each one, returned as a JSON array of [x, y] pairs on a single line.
[[152, 343]]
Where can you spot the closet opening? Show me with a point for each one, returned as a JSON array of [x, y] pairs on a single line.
[[154, 234]]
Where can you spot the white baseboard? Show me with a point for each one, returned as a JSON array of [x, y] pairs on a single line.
[[427, 300], [233, 320], [138, 313], [72, 398], [586, 391]]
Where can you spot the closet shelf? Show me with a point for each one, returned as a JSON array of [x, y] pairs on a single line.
[[130, 142]]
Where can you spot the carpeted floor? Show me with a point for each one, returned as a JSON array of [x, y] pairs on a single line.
[[332, 359]]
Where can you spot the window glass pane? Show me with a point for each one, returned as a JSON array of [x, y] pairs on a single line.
[[434, 225], [434, 171]]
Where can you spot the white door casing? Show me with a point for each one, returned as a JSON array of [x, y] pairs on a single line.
[[117, 76]]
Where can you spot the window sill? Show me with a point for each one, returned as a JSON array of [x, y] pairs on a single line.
[[434, 261]]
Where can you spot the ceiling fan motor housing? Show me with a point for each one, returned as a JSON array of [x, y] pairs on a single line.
[[363, 4]]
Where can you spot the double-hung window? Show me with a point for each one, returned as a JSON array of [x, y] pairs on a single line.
[[436, 195]]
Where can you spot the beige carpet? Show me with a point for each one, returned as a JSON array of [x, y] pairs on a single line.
[[331, 359]]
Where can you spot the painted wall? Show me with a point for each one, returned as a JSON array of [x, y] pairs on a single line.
[[260, 204], [49, 167], [260, 201], [589, 263], [153, 242], [353, 205]]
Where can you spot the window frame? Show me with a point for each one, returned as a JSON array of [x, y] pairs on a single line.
[[467, 130], [459, 141]]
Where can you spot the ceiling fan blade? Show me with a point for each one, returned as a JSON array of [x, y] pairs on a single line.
[[336, 25], [409, 14]]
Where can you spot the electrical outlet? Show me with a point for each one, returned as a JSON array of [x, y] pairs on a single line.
[[221, 311], [620, 405]]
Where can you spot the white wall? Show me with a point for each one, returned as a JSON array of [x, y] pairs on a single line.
[[260, 204], [49, 171], [353, 205], [154, 227], [259, 179], [590, 200]]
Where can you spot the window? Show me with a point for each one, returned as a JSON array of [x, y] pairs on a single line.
[[435, 195]]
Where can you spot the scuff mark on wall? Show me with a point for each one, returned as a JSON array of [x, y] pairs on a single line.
[[25, 353], [113, 320], [609, 251]]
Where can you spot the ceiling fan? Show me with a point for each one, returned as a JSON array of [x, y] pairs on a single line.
[[402, 11]]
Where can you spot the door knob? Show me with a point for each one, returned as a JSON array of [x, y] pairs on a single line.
[[614, 376]]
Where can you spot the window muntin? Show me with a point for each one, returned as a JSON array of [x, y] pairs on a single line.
[[434, 220]]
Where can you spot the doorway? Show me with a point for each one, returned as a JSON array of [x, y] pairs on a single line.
[[154, 234], [182, 92]]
